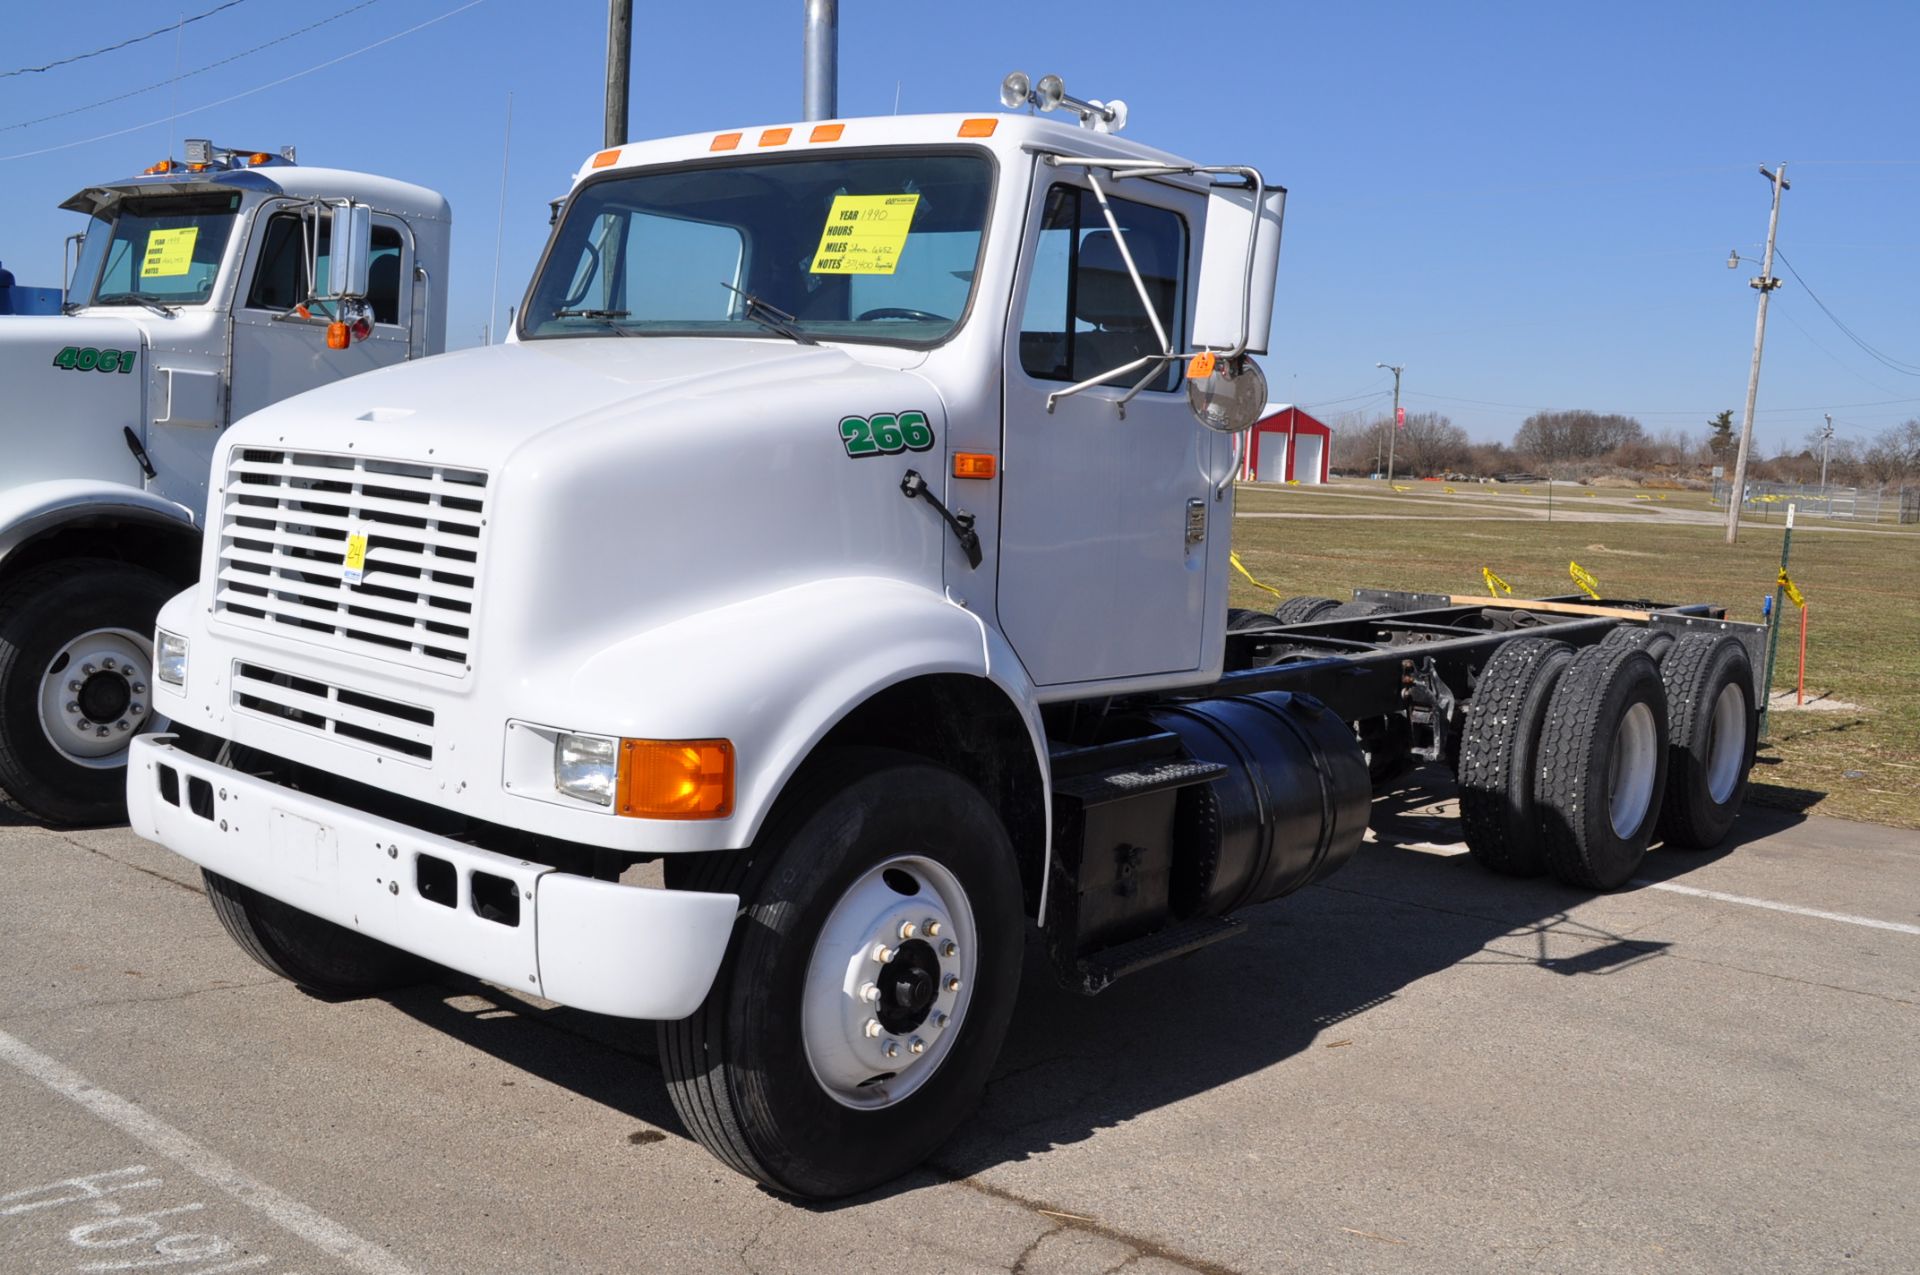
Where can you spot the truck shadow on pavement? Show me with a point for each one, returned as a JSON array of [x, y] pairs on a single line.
[[1411, 904]]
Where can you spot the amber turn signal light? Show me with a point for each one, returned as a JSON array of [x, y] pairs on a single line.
[[675, 779], [338, 338], [975, 465]]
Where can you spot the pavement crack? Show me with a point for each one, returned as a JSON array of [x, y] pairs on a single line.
[[1019, 1266], [1064, 1220], [157, 876]]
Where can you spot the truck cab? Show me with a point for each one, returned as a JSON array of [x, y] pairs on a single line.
[[203, 291]]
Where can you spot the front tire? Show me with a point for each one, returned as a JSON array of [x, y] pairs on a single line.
[[318, 955], [76, 672], [838, 1048]]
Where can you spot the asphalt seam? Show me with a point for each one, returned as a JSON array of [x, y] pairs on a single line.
[[157, 876], [1064, 1221]]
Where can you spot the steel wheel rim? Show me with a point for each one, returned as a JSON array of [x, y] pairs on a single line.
[[843, 1000], [101, 668], [1726, 743], [1631, 769]]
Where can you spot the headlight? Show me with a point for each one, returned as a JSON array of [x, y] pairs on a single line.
[[170, 658], [585, 766]]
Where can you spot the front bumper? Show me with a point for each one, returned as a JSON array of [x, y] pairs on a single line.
[[594, 945]]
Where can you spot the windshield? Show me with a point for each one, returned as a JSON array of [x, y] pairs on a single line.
[[835, 247], [161, 248]]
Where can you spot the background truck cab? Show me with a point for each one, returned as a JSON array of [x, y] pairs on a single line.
[[203, 291]]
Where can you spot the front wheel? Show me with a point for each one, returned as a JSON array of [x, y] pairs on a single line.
[[868, 986], [76, 672]]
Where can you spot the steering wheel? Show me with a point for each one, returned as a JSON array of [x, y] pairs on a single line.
[[901, 312]]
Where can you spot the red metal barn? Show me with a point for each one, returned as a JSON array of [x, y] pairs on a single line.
[[1287, 445]]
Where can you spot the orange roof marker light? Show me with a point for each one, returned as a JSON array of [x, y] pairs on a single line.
[[675, 779], [826, 132], [775, 136], [975, 465], [607, 158], [724, 141], [978, 127]]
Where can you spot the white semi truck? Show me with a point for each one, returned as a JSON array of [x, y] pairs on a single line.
[[826, 584], [203, 290]]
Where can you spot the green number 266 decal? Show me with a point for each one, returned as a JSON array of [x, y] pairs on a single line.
[[87, 359], [886, 434]]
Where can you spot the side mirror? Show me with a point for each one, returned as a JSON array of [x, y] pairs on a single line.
[[1238, 260], [350, 247]]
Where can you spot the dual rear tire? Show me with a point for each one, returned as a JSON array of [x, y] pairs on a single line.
[[1574, 762]]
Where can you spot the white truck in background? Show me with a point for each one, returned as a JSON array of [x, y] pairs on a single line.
[[825, 583], [204, 289]]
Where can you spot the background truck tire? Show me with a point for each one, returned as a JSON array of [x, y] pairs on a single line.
[[1242, 620], [50, 619], [1354, 611], [318, 955], [1712, 731], [1655, 642], [1300, 610], [1497, 753], [760, 1072], [1602, 767]]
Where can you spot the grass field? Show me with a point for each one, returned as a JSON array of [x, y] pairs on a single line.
[[1861, 587]]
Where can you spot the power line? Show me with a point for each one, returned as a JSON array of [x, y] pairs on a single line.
[[187, 75], [1891, 363], [258, 88], [169, 29]]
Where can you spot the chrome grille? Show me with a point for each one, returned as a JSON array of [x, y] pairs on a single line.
[[380, 724], [286, 517]]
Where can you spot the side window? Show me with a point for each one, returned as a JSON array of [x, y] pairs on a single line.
[[279, 277], [1083, 315]]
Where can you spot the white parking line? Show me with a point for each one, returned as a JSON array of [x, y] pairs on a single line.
[[288, 1214], [1898, 927]]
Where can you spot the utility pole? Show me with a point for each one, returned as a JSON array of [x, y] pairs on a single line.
[[619, 66], [1766, 283], [1393, 435], [1826, 444]]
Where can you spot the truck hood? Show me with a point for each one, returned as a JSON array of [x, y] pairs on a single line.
[[631, 482], [66, 422]]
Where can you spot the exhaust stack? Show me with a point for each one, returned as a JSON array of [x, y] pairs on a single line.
[[820, 61]]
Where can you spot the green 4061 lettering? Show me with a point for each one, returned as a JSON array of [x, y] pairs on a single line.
[[85, 358], [887, 434]]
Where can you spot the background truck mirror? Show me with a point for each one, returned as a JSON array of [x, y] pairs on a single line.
[[350, 247], [1224, 280]]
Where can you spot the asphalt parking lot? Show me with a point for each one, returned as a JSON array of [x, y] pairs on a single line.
[[1414, 1067]]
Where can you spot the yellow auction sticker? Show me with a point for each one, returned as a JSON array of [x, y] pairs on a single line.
[[169, 253], [354, 569], [864, 234]]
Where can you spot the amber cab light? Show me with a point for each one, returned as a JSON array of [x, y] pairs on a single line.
[[724, 141], [607, 158], [338, 337], [826, 132], [978, 128], [775, 136], [974, 465], [675, 779]]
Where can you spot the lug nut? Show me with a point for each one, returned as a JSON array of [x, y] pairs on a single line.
[[87, 670], [906, 929], [891, 1049], [869, 993], [932, 927], [124, 724], [139, 688], [108, 664], [72, 707], [917, 1046], [137, 709], [940, 1019], [953, 982], [74, 686], [882, 953], [872, 1028], [949, 948], [83, 725], [101, 732]]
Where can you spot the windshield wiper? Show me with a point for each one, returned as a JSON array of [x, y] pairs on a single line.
[[119, 298], [591, 314], [771, 317]]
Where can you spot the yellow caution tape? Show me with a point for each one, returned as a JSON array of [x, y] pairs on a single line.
[[1643, 496], [1584, 578], [1239, 566], [1793, 594], [1398, 487], [1448, 490], [1494, 582]]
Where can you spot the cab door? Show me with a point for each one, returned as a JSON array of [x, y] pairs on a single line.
[[1101, 574], [277, 354]]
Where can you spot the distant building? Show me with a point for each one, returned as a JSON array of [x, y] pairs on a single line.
[[1287, 446]]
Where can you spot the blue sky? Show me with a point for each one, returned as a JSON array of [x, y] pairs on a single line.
[[1528, 205]]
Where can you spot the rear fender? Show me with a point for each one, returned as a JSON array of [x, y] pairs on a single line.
[[32, 512]]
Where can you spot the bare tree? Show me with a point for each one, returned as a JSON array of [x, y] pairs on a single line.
[[1578, 435]]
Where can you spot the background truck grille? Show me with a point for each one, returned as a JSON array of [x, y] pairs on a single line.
[[285, 519], [383, 725]]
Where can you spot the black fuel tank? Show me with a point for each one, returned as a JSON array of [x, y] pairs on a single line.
[[1291, 808]]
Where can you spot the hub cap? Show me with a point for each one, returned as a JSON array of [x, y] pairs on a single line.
[[1630, 770], [1726, 743], [95, 696], [889, 982]]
